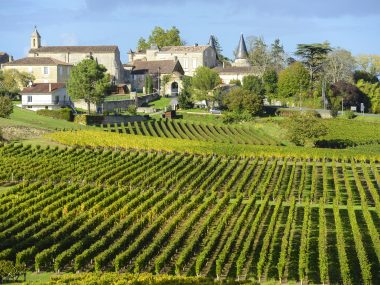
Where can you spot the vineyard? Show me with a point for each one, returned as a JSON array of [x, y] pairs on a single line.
[[192, 131], [77, 209]]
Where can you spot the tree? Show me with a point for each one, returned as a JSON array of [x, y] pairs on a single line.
[[203, 83], [351, 95], [365, 76], [237, 82], [369, 63], [161, 38], [253, 84], [293, 81], [184, 97], [219, 50], [270, 80], [277, 54], [88, 81], [243, 103], [12, 81], [340, 65], [372, 91], [6, 106], [148, 84], [304, 128], [258, 53], [313, 56]]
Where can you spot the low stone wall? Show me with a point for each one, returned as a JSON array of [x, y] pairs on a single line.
[[110, 106]]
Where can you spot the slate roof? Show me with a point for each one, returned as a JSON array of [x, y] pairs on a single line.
[[42, 88], [166, 66], [36, 61], [242, 52], [75, 49]]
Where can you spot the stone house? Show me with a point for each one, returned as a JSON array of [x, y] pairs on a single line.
[[44, 69], [190, 57], [49, 96], [109, 56], [160, 71]]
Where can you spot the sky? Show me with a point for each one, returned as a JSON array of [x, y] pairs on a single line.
[[349, 24]]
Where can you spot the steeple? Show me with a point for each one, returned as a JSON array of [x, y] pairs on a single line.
[[35, 40], [242, 49]]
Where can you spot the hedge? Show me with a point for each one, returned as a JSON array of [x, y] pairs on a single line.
[[86, 119], [61, 114]]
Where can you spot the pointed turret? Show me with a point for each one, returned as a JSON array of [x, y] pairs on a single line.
[[242, 52], [241, 58], [35, 39]]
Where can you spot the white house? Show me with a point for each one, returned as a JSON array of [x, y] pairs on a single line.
[[45, 96]]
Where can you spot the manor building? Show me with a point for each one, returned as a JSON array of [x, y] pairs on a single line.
[[107, 55]]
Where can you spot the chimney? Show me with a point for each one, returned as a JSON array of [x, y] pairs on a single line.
[[49, 87]]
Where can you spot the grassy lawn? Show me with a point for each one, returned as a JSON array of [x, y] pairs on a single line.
[[161, 103], [27, 118], [118, 97]]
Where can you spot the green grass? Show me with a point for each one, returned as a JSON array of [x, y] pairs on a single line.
[[35, 278], [27, 118], [161, 103], [117, 97], [368, 119]]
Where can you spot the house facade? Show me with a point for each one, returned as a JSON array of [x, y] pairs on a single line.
[[190, 57], [166, 75], [44, 69], [48, 96], [109, 55]]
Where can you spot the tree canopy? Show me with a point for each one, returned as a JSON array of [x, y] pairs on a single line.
[[293, 80], [6, 106], [161, 38], [339, 65], [253, 84], [203, 83], [88, 81], [12, 81]]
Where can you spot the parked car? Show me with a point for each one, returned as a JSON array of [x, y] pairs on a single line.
[[215, 111]]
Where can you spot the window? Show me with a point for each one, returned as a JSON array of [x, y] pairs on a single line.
[[186, 63], [29, 99], [194, 63], [46, 70], [56, 101]]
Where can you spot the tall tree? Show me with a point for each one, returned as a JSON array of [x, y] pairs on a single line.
[[253, 84], [88, 81], [270, 80], [161, 38], [203, 83], [340, 65], [240, 100], [369, 63], [258, 54], [12, 81], [313, 56], [372, 91], [6, 107], [277, 54], [293, 81]]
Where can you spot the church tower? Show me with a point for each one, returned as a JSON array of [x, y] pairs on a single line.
[[241, 54], [35, 40]]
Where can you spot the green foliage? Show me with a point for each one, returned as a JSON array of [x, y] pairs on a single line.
[[304, 128], [161, 38], [6, 106], [237, 82], [372, 91], [61, 114], [351, 95], [164, 81], [349, 115], [132, 109], [203, 83], [244, 102], [10, 271], [270, 80], [369, 63], [12, 81], [87, 119], [88, 81], [365, 76], [148, 84], [253, 84], [293, 81], [278, 56]]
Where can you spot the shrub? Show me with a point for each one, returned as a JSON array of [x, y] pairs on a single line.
[[349, 115], [86, 119], [6, 107], [61, 114], [132, 109]]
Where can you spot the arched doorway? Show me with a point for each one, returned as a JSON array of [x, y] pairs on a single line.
[[174, 89]]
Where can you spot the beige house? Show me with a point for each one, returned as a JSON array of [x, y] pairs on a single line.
[[239, 68], [109, 56], [49, 96], [44, 69], [166, 75], [190, 57]]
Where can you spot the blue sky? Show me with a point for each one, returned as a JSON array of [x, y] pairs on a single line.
[[353, 25]]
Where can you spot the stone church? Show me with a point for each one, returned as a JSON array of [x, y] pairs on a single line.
[[109, 56]]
